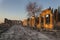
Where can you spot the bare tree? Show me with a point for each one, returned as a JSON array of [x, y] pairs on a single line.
[[33, 9]]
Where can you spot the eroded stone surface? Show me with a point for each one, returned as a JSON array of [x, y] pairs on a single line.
[[17, 32]]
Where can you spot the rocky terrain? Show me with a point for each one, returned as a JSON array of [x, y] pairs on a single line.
[[17, 32]]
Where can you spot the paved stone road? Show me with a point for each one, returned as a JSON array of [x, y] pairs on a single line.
[[17, 32]]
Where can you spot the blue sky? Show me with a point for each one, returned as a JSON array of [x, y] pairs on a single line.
[[16, 9]]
